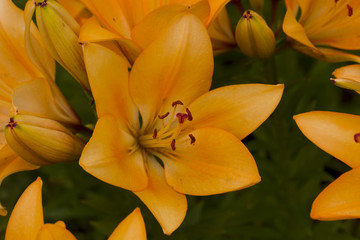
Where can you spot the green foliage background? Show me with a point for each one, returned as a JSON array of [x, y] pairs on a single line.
[[293, 170]]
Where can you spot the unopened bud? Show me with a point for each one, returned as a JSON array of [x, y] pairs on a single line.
[[253, 36], [42, 141], [347, 77], [60, 33], [257, 5]]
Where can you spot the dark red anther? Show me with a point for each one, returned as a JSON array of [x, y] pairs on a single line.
[[42, 4], [173, 145], [155, 133], [181, 117], [350, 10], [11, 123], [190, 117], [164, 115], [192, 139], [336, 1], [178, 102], [247, 15], [357, 137]]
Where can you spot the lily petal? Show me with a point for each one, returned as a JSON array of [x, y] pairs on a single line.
[[217, 162], [168, 206], [164, 72], [111, 15], [293, 28], [109, 156], [132, 227], [14, 61], [333, 133], [91, 32], [216, 6], [238, 109], [54, 232], [155, 22], [340, 200], [27, 217], [11, 163], [109, 83], [48, 104]]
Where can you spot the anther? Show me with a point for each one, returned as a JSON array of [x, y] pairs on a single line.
[[164, 115], [190, 117], [155, 134], [350, 10], [182, 117], [41, 4], [178, 102], [357, 137], [192, 139], [173, 145], [11, 123], [247, 15]]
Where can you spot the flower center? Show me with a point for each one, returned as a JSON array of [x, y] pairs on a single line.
[[164, 138]]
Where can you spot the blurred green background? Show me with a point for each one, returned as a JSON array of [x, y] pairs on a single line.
[[293, 170]]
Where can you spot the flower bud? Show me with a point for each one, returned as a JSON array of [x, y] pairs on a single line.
[[253, 36], [258, 5], [60, 33], [347, 77], [42, 141]]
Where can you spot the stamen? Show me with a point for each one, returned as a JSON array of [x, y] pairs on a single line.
[[178, 102], [357, 138], [164, 115], [181, 117], [350, 10], [190, 117], [173, 145], [192, 139], [155, 133]]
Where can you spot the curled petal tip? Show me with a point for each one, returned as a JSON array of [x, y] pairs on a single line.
[[357, 137]]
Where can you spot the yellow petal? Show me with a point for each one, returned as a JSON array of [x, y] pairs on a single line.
[[14, 60], [340, 200], [348, 72], [333, 133], [217, 162], [154, 23], [238, 109], [109, 156], [11, 163], [221, 33], [77, 9], [37, 97], [109, 83], [27, 216], [293, 28], [54, 232], [168, 206], [164, 72], [111, 15], [35, 47], [131, 228], [215, 7]]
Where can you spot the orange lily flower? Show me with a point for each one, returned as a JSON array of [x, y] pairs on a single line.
[[338, 135], [27, 222], [21, 82], [323, 27], [128, 21], [161, 134]]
